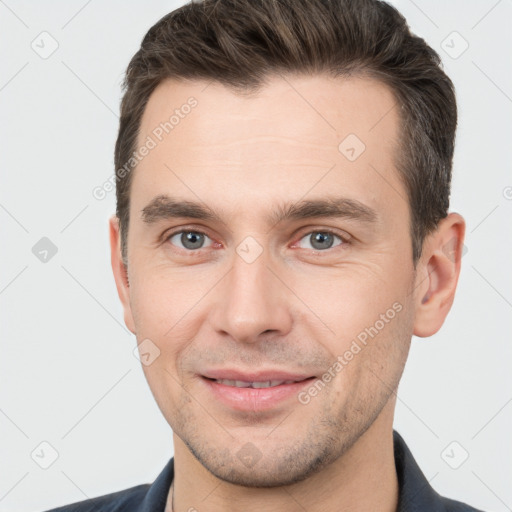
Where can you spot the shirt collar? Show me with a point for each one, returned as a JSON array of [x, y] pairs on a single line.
[[415, 492], [156, 497]]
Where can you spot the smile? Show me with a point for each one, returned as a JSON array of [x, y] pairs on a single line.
[[245, 384]]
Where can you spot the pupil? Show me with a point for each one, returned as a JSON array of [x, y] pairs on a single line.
[[191, 240], [319, 239]]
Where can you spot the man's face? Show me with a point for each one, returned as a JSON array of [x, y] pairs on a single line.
[[251, 297]]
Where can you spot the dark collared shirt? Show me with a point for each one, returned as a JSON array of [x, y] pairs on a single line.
[[415, 495]]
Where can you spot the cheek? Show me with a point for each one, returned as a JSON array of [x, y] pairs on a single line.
[[371, 363], [158, 302], [157, 310], [352, 299]]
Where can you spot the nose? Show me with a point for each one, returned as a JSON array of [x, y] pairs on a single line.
[[251, 301]]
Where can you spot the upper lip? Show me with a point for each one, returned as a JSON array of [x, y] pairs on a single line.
[[260, 376]]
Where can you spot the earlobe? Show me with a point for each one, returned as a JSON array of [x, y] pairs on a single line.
[[438, 274], [120, 272]]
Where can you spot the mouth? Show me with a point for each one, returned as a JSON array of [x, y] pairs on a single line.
[[255, 393], [255, 384]]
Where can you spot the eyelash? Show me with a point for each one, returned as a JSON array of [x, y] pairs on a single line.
[[345, 239]]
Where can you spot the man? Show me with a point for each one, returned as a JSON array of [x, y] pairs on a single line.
[[282, 230]]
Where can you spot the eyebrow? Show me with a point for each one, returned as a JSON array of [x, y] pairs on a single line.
[[163, 207]]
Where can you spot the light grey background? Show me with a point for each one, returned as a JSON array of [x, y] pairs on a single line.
[[68, 373]]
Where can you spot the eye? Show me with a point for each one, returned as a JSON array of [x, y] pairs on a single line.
[[190, 239], [321, 240]]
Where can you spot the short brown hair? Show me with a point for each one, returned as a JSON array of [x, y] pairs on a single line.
[[240, 43]]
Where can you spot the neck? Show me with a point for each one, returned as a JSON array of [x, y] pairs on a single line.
[[364, 478]]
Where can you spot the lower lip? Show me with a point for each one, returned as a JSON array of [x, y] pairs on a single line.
[[254, 399]]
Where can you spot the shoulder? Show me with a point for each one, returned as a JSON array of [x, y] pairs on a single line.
[[141, 498], [113, 502], [457, 506], [415, 492]]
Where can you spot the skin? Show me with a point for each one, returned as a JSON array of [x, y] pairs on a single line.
[[293, 308]]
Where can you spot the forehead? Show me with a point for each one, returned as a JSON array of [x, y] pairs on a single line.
[[327, 107], [283, 140]]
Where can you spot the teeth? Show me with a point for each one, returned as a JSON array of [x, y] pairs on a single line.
[[243, 384], [240, 383], [266, 384]]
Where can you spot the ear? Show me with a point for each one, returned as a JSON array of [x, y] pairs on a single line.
[[437, 274], [120, 272]]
